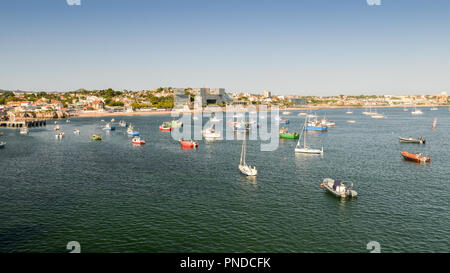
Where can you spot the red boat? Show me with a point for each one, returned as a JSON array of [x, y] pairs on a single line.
[[138, 141], [419, 158], [188, 144], [165, 127]]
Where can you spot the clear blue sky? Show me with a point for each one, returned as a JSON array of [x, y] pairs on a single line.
[[304, 47]]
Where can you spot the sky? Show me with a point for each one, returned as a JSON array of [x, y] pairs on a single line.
[[301, 47]]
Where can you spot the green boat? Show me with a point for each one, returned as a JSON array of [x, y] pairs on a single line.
[[289, 135], [96, 137]]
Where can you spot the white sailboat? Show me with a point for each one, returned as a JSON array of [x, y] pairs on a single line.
[[417, 112], [243, 167], [305, 149]]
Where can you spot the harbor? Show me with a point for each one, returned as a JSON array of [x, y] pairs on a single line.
[[160, 196]]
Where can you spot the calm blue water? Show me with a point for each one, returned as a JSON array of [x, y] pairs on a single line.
[[114, 197]]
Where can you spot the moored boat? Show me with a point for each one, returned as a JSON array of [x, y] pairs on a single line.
[[420, 140], [132, 132], [166, 126], [176, 124], [287, 135], [244, 168], [138, 140], [305, 149], [351, 121], [76, 131], [123, 123], [315, 126], [2, 145], [189, 144], [24, 131], [109, 127], [96, 137], [339, 188], [211, 134], [59, 135], [56, 128], [419, 158]]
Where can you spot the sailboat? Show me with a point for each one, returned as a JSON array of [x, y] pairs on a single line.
[[305, 149], [417, 111], [243, 167]]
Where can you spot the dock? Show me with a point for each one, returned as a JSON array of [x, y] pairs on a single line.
[[23, 123]]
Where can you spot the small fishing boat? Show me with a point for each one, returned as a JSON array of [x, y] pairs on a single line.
[[166, 126], [405, 109], [283, 121], [122, 123], [132, 132], [305, 149], [109, 127], [326, 122], [286, 113], [24, 131], [243, 167], [56, 128], [241, 127], [1, 133], [211, 134], [419, 158], [351, 121], [287, 135], [138, 140], [113, 120], [176, 124], [378, 116], [349, 112], [68, 121], [188, 144], [2, 145], [76, 131], [302, 114], [96, 137], [315, 126], [339, 188], [434, 109], [417, 112], [59, 135], [420, 140]]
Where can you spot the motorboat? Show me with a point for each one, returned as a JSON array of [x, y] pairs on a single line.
[[138, 140], [76, 131], [109, 127], [96, 137], [378, 116], [2, 145], [417, 112], [351, 121], [419, 158], [420, 140], [56, 128], [188, 144], [243, 166], [122, 123], [339, 188], [287, 135], [176, 124], [434, 109], [59, 135], [211, 134], [166, 126], [24, 131]]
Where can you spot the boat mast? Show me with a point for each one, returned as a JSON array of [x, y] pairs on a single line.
[[243, 151]]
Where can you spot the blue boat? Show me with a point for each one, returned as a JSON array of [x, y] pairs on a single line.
[[316, 128], [2, 145], [284, 121], [109, 127], [134, 133]]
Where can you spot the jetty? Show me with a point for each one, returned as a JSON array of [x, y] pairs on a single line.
[[23, 123]]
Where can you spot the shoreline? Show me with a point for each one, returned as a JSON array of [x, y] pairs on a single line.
[[168, 112]]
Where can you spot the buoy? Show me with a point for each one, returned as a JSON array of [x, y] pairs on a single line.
[[321, 185], [359, 168], [285, 159]]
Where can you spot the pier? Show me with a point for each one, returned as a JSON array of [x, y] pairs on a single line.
[[23, 123]]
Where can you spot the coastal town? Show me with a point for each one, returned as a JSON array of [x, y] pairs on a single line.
[[19, 105]]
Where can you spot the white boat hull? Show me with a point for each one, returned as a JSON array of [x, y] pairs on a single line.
[[247, 170], [308, 151]]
